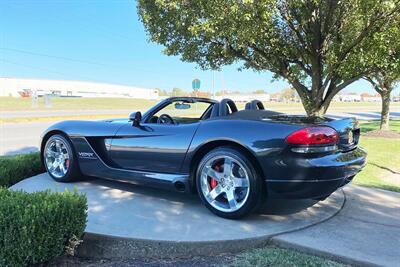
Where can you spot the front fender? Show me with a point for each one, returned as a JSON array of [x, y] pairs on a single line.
[[74, 128]]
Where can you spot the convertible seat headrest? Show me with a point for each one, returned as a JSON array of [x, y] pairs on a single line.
[[225, 105], [222, 108], [254, 105]]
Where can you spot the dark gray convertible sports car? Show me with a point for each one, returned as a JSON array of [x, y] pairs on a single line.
[[231, 158]]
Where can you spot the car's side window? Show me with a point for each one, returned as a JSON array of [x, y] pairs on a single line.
[[181, 112]]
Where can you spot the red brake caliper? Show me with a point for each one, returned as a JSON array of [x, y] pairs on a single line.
[[67, 163], [213, 182]]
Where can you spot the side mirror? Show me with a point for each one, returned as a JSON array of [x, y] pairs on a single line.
[[135, 118]]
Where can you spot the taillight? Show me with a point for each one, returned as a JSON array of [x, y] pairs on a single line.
[[317, 135]]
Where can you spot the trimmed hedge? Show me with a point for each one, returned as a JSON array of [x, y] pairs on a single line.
[[36, 227], [16, 168]]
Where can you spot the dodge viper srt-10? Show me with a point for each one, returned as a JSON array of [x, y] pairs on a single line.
[[232, 158]]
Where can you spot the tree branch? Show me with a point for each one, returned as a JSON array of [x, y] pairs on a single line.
[[373, 83], [289, 22], [334, 89]]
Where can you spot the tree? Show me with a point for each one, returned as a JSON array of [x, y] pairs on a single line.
[[384, 84], [384, 56], [178, 92], [288, 94], [221, 93], [307, 42], [162, 92], [259, 92]]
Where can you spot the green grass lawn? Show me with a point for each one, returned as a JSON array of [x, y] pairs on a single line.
[[383, 158], [374, 125], [273, 256], [383, 162]]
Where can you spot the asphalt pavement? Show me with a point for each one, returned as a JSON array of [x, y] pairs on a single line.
[[19, 138]]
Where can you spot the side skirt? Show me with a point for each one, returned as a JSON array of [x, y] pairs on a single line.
[[91, 164]]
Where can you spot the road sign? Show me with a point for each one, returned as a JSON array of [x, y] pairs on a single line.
[[196, 84]]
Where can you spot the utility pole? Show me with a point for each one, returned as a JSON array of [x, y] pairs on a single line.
[[213, 83], [222, 82]]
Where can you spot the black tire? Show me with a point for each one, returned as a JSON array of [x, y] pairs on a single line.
[[73, 172], [256, 184]]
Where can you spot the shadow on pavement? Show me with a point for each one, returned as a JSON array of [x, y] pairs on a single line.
[[270, 207]]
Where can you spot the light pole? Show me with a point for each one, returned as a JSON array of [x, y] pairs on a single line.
[[213, 83]]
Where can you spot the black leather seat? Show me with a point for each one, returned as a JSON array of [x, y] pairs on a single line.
[[254, 105]]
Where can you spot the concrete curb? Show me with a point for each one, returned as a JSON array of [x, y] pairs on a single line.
[[111, 247], [313, 251], [320, 253]]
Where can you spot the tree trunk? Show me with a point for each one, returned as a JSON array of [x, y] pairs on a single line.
[[385, 110], [313, 107]]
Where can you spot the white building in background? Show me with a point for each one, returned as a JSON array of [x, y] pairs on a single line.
[[18, 87], [245, 97], [372, 98], [347, 98]]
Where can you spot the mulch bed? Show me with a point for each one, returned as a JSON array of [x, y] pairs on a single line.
[[383, 133]]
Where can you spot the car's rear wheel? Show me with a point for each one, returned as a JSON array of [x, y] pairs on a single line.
[[228, 183], [59, 159]]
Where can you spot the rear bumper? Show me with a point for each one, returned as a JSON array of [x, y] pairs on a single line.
[[297, 176]]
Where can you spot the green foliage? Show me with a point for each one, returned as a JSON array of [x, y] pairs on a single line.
[[37, 227], [273, 256], [16, 168], [309, 43], [384, 57], [383, 53]]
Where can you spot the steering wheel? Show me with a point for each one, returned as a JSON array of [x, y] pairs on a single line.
[[165, 119]]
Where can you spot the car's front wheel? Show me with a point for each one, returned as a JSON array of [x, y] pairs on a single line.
[[59, 159], [228, 183]]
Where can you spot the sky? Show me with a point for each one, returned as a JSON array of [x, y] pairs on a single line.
[[104, 41]]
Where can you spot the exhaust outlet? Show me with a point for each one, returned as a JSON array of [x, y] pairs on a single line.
[[180, 186]]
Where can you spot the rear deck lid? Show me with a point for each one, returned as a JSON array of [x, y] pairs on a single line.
[[347, 128]]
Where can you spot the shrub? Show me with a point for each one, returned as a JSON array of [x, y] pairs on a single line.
[[16, 168], [36, 227]]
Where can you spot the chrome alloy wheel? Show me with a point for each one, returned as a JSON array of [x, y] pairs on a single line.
[[57, 158], [225, 183]]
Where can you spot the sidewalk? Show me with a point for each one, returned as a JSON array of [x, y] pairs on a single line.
[[365, 232]]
